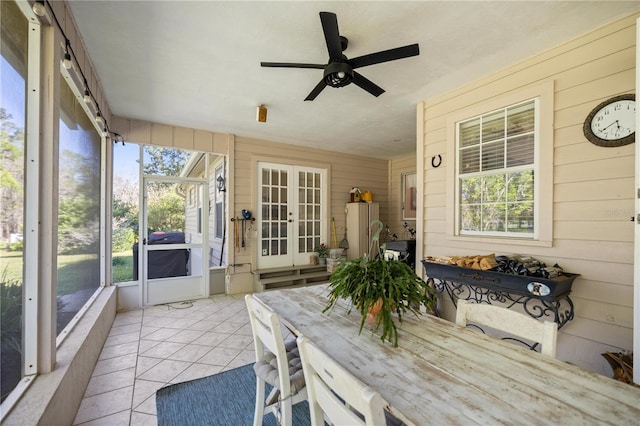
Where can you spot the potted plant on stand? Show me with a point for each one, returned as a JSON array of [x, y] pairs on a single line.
[[381, 290], [323, 253]]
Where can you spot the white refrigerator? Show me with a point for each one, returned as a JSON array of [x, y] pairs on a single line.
[[359, 218]]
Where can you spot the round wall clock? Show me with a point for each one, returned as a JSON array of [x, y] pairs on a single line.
[[613, 122]]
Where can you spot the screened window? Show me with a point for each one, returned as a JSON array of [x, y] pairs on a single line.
[[13, 76], [496, 172], [78, 257]]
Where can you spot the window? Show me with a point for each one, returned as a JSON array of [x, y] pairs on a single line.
[[13, 82], [501, 168], [79, 204], [496, 172]]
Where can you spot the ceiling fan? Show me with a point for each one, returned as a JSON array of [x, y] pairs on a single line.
[[339, 71]]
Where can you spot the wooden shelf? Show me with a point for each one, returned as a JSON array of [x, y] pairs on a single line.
[[290, 277]]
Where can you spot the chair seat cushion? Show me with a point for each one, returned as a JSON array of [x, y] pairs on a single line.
[[267, 368]]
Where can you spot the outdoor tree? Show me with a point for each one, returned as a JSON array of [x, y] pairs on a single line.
[[164, 161], [11, 175]]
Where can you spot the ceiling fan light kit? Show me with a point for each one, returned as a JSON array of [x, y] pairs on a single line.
[[338, 74], [339, 70]]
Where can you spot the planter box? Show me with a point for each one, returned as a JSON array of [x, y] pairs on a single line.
[[547, 289]]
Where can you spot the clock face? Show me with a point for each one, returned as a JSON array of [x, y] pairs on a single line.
[[613, 122]]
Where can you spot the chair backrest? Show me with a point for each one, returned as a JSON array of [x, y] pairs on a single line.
[[267, 336], [334, 393], [508, 321]]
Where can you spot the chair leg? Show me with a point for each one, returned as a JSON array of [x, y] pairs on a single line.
[[286, 412], [259, 411]]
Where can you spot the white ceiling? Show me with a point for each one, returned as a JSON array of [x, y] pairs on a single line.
[[197, 63]]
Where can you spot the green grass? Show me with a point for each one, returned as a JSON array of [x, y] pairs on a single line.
[[72, 269], [122, 269], [10, 265]]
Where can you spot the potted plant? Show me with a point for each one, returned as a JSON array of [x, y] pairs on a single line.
[[376, 284], [323, 253]]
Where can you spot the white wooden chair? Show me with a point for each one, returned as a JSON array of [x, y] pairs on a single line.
[[277, 363], [334, 394], [508, 321]]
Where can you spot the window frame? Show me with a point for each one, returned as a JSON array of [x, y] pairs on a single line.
[[543, 93], [498, 171]]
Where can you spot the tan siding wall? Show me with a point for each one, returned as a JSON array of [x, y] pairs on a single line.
[[593, 186], [145, 132], [344, 172], [396, 169]]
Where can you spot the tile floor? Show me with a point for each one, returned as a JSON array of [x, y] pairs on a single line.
[[153, 347]]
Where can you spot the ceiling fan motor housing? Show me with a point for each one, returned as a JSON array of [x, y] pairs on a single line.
[[338, 74]]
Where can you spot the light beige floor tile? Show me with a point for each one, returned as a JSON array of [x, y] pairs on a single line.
[[165, 371], [190, 353], [236, 341], [143, 419], [185, 336], [245, 329], [119, 350], [115, 364], [157, 321], [145, 363], [95, 407], [118, 419], [148, 406], [219, 356], [126, 328], [130, 317], [163, 350], [204, 325], [110, 381], [199, 315], [150, 343], [182, 323], [197, 371], [146, 330], [227, 327], [245, 357], [120, 339], [143, 389], [210, 339], [145, 345], [162, 334]]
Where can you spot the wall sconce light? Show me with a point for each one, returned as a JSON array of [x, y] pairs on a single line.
[[261, 114], [221, 184]]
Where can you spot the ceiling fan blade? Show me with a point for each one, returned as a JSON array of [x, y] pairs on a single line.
[[385, 56], [291, 65], [367, 85], [331, 34], [316, 91]]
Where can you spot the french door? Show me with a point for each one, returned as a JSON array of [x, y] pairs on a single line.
[[292, 219], [173, 266]]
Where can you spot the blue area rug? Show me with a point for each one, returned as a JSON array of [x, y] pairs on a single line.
[[226, 398]]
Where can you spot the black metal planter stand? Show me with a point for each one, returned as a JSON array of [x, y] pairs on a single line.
[[540, 298]]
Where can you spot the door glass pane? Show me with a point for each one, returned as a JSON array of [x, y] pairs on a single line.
[[274, 209], [309, 206], [13, 72]]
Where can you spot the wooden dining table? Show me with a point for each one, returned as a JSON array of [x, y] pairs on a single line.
[[444, 374]]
